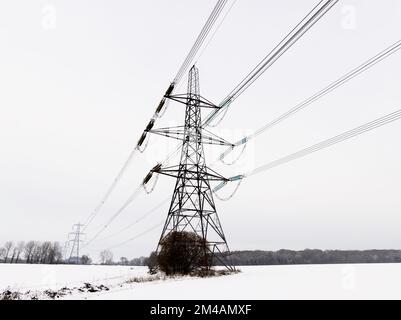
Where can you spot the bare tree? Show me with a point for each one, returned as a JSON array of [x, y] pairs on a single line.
[[106, 257], [20, 248], [33, 251], [37, 253], [7, 246], [29, 250], [2, 253], [15, 249], [54, 254], [45, 252]]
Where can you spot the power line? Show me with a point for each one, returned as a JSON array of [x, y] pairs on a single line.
[[200, 39], [387, 119], [116, 214], [137, 236], [216, 30], [382, 121], [141, 218], [111, 188], [195, 48], [305, 25], [310, 20], [394, 116], [331, 87], [130, 199], [307, 22]]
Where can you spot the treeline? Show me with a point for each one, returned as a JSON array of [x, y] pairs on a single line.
[[31, 252], [46, 252], [308, 256]]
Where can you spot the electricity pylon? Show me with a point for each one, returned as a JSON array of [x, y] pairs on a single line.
[[192, 206], [76, 241]]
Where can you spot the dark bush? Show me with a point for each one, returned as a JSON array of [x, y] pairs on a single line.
[[183, 253]]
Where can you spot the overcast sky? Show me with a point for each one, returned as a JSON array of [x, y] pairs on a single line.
[[79, 80]]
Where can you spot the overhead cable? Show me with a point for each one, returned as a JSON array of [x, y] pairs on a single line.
[[331, 87], [307, 22]]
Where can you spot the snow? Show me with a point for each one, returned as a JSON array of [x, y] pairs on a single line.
[[40, 277], [358, 281], [373, 281]]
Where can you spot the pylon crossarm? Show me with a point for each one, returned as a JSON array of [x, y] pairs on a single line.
[[191, 212], [183, 98], [208, 169], [180, 134], [190, 174]]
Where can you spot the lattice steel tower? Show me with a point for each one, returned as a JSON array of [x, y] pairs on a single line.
[[192, 206], [76, 242]]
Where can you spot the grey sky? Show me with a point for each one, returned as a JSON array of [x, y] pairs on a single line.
[[80, 80]]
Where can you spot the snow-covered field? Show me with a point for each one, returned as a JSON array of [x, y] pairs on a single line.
[[37, 278], [359, 281]]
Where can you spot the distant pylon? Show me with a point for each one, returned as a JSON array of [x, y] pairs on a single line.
[[192, 206], [76, 242]]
